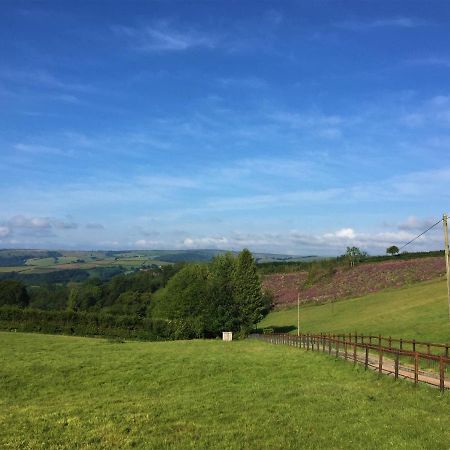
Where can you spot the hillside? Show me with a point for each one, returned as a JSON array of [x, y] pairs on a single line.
[[67, 392], [348, 282], [415, 312]]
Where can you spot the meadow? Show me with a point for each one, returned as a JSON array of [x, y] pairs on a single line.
[[71, 392], [419, 311]]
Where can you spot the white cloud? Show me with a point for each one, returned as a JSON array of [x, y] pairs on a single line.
[[4, 231], [29, 222], [160, 37], [413, 223], [248, 82], [434, 61], [346, 233], [44, 79], [146, 243], [301, 243], [392, 22], [94, 226], [206, 242]]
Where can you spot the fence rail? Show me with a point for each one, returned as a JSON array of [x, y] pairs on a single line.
[[421, 367], [394, 343]]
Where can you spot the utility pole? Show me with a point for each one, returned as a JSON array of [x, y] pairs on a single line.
[[298, 314], [447, 262]]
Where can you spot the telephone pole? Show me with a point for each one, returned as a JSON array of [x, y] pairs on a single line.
[[447, 262]]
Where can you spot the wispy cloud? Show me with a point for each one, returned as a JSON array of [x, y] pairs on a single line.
[[433, 61], [393, 22], [245, 82], [41, 149], [94, 226], [162, 37], [44, 79]]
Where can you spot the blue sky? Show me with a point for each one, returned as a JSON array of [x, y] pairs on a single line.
[[293, 127]]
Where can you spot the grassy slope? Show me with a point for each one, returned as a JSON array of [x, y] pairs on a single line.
[[417, 312], [66, 392]]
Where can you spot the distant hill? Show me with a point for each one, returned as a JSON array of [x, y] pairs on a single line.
[[345, 282], [13, 257]]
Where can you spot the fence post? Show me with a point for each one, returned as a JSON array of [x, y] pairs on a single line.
[[416, 368], [337, 348], [379, 340], [307, 342], [362, 339], [345, 349], [329, 344], [396, 364], [414, 345], [401, 344], [366, 362], [446, 351], [354, 353], [441, 374], [380, 359]]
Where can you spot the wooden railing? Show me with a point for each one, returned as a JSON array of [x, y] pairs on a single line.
[[376, 352]]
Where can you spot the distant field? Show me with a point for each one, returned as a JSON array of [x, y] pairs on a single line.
[[15, 269], [65, 392], [418, 311]]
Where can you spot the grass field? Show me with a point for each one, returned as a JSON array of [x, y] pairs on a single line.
[[416, 312], [69, 392]]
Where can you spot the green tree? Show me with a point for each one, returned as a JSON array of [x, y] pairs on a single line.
[[354, 255], [392, 250], [223, 310], [185, 299], [13, 293], [247, 291]]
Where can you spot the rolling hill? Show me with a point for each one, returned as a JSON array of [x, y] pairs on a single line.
[[413, 312], [346, 282]]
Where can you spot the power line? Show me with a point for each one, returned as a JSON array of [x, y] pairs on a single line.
[[421, 234]]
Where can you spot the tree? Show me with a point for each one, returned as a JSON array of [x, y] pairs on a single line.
[[393, 250], [185, 299], [13, 293], [223, 309], [247, 291], [354, 255]]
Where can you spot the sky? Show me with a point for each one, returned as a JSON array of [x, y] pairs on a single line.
[[289, 127]]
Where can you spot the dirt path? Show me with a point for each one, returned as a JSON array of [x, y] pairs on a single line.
[[404, 371]]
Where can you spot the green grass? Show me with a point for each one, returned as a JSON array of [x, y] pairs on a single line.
[[416, 312], [40, 262], [69, 392]]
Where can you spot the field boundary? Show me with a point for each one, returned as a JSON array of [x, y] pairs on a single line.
[[416, 366]]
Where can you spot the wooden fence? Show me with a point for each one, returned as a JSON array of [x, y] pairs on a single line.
[[378, 353]]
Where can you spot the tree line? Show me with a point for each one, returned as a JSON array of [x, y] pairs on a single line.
[[175, 301]]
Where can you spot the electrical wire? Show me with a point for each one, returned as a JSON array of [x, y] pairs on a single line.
[[421, 234]]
